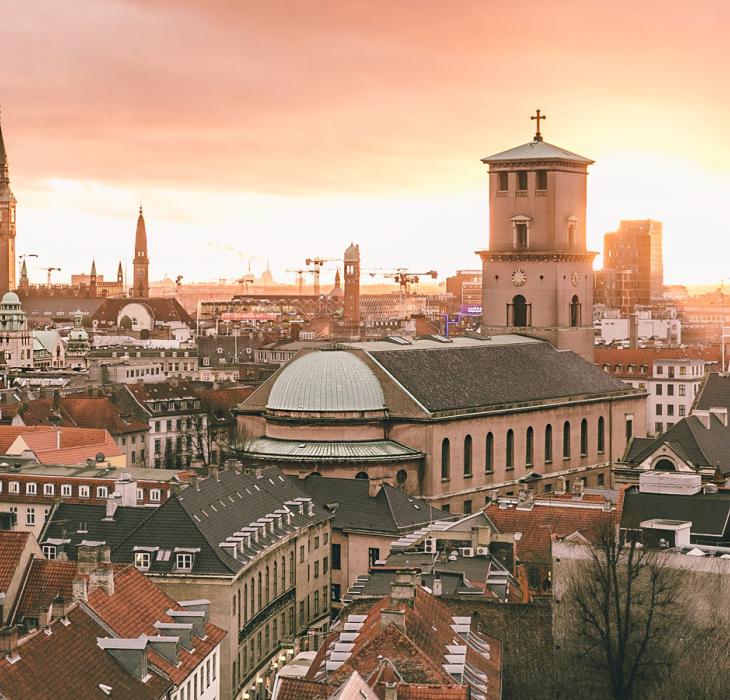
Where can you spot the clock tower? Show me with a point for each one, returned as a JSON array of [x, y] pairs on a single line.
[[537, 273], [7, 224]]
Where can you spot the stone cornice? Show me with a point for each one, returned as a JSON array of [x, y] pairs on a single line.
[[535, 256]]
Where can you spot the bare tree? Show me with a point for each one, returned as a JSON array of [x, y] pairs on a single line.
[[624, 601]]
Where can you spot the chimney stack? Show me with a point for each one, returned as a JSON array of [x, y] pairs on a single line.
[[103, 577], [112, 503], [58, 609], [90, 556], [403, 588], [438, 587], [78, 589], [391, 691], [8, 643], [389, 616]]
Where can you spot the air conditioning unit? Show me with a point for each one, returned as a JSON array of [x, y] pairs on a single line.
[[467, 551], [429, 546], [482, 551]]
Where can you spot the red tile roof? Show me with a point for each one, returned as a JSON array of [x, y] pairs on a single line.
[[561, 519], [60, 445], [46, 579], [137, 603], [12, 544], [68, 663], [646, 356]]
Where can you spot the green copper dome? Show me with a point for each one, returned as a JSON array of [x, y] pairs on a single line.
[[326, 381]]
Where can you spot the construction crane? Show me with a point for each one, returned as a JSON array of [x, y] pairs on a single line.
[[405, 278], [48, 273], [300, 278], [316, 265]]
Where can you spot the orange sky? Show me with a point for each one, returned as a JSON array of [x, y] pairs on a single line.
[[284, 129]]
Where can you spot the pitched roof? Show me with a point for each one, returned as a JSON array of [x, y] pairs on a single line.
[[536, 150], [558, 517], [68, 663], [709, 513], [65, 445], [453, 377], [390, 512], [163, 310], [12, 544], [701, 446], [714, 392], [46, 579], [199, 519]]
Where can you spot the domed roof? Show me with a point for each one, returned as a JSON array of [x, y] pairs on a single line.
[[326, 381], [352, 254], [10, 298]]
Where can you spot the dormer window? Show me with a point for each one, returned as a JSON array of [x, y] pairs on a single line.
[[184, 561], [142, 560]]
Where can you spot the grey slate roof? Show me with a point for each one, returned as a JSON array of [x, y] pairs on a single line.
[[391, 512], [198, 519], [709, 513], [689, 437], [454, 378], [327, 380], [714, 393], [536, 150], [275, 450]]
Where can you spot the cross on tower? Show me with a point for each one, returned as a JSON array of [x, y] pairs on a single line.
[[537, 116]]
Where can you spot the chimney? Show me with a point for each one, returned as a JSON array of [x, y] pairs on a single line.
[[390, 616], [633, 330], [562, 481], [213, 471], [9, 643], [174, 488], [78, 589], [103, 577], [126, 487], [112, 503], [438, 587], [391, 691], [56, 405], [403, 588], [89, 556]]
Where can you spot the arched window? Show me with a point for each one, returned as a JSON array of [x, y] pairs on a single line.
[[510, 450], [401, 477], [575, 311], [283, 574], [548, 443], [260, 596], [583, 438], [529, 440], [362, 475], [489, 453], [253, 596], [519, 311], [292, 570], [245, 602], [275, 580], [467, 455], [566, 440], [665, 465], [266, 586], [445, 458], [601, 434]]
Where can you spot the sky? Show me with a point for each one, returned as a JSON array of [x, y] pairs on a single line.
[[255, 131]]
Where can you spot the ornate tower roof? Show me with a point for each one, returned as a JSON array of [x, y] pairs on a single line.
[[5, 192], [140, 237], [93, 268]]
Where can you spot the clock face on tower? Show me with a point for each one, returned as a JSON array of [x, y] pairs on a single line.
[[519, 277], [575, 279]]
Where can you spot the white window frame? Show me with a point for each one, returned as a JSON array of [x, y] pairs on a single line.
[[186, 558], [14, 487], [31, 488], [49, 489], [49, 551], [84, 491], [155, 495], [66, 490], [142, 560], [30, 516]]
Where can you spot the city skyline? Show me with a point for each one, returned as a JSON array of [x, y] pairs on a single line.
[[257, 144]]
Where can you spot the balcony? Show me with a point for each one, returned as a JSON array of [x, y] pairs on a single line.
[[267, 611]]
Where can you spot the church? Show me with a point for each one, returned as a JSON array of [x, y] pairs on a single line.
[[519, 406]]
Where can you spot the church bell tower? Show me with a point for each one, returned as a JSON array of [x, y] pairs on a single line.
[[141, 263], [7, 224], [537, 273]]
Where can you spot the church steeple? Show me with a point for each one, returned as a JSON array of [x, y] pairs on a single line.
[[92, 279], [141, 287], [120, 274], [7, 223]]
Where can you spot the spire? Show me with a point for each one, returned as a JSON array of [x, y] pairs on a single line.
[[337, 277], [4, 171], [120, 273], [24, 270], [93, 268], [140, 238]]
